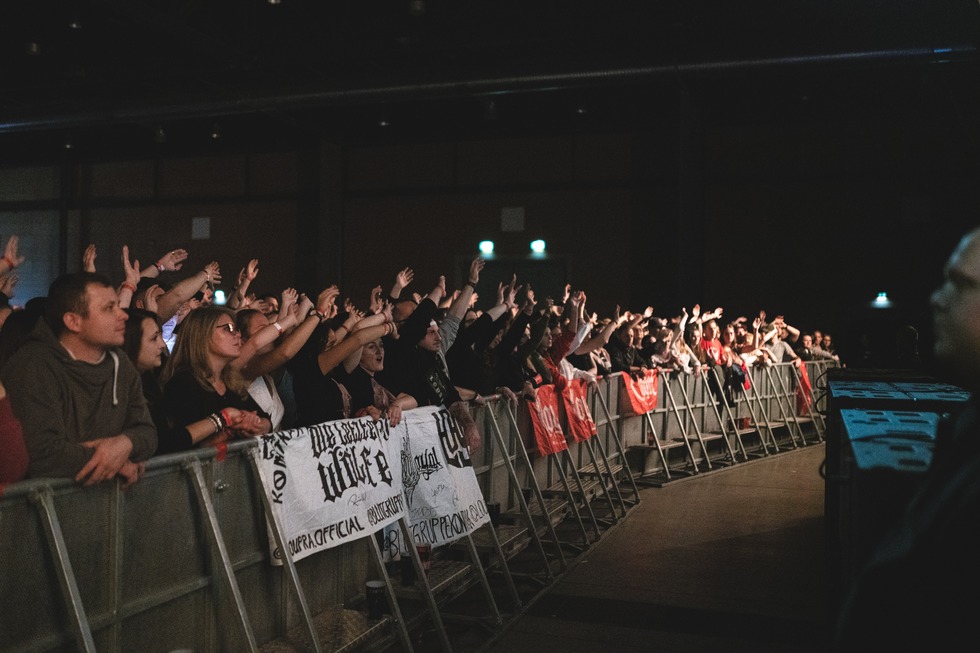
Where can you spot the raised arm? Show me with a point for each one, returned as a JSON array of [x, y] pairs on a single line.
[[128, 287], [245, 278], [172, 261], [88, 258], [458, 308], [402, 279], [183, 290]]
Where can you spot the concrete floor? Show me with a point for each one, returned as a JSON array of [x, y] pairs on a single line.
[[728, 561], [731, 560]]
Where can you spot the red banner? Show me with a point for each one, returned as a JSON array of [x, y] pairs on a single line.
[[544, 418], [581, 426], [804, 392], [642, 392]]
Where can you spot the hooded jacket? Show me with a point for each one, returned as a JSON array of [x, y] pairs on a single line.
[[62, 402]]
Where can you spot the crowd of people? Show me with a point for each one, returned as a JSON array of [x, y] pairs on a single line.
[[97, 377]]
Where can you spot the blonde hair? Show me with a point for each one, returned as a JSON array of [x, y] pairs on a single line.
[[191, 351]]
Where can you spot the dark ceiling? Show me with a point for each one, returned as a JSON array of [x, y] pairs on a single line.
[[319, 66]]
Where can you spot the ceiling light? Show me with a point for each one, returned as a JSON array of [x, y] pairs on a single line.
[[383, 123], [75, 24], [274, 2], [33, 49], [216, 131], [486, 247], [882, 301], [537, 246]]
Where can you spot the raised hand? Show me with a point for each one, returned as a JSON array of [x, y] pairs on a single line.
[[404, 277], [303, 306], [325, 301], [88, 257], [10, 253], [212, 272], [173, 260], [131, 270], [252, 270], [7, 283], [150, 300], [475, 268], [376, 301]]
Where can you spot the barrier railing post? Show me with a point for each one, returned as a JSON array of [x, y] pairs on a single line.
[[287, 558], [225, 570], [702, 440], [525, 509], [610, 426], [43, 499], [786, 405]]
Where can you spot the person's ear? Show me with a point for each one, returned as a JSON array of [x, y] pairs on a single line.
[[72, 321]]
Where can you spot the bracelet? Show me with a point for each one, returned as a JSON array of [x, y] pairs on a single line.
[[224, 417], [216, 422], [9, 261], [389, 327], [159, 266], [128, 286], [320, 316], [470, 284], [277, 326]]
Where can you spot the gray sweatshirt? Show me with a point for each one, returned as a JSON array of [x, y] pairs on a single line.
[[62, 402]]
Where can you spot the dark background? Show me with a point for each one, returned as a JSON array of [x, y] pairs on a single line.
[[794, 156]]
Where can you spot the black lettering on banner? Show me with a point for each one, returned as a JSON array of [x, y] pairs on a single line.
[[321, 439], [427, 463], [384, 510], [346, 468], [451, 439]]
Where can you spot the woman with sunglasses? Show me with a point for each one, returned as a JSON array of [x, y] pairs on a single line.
[[202, 378], [145, 348]]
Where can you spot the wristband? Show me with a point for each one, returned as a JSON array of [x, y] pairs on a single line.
[[225, 418], [320, 316], [128, 286], [470, 284], [277, 326], [159, 266], [215, 422]]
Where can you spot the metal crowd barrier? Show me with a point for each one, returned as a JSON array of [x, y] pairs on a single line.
[[181, 559]]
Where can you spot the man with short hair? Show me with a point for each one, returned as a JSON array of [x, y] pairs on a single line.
[[916, 591], [77, 395]]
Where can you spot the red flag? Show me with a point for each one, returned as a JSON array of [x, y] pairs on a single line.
[[804, 392], [580, 423], [642, 392], [544, 418]]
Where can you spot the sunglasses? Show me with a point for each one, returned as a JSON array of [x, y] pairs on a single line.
[[229, 327]]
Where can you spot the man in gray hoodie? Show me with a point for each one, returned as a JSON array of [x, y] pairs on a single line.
[[76, 393]]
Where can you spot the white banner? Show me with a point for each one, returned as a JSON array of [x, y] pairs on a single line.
[[442, 496], [338, 481], [332, 483]]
